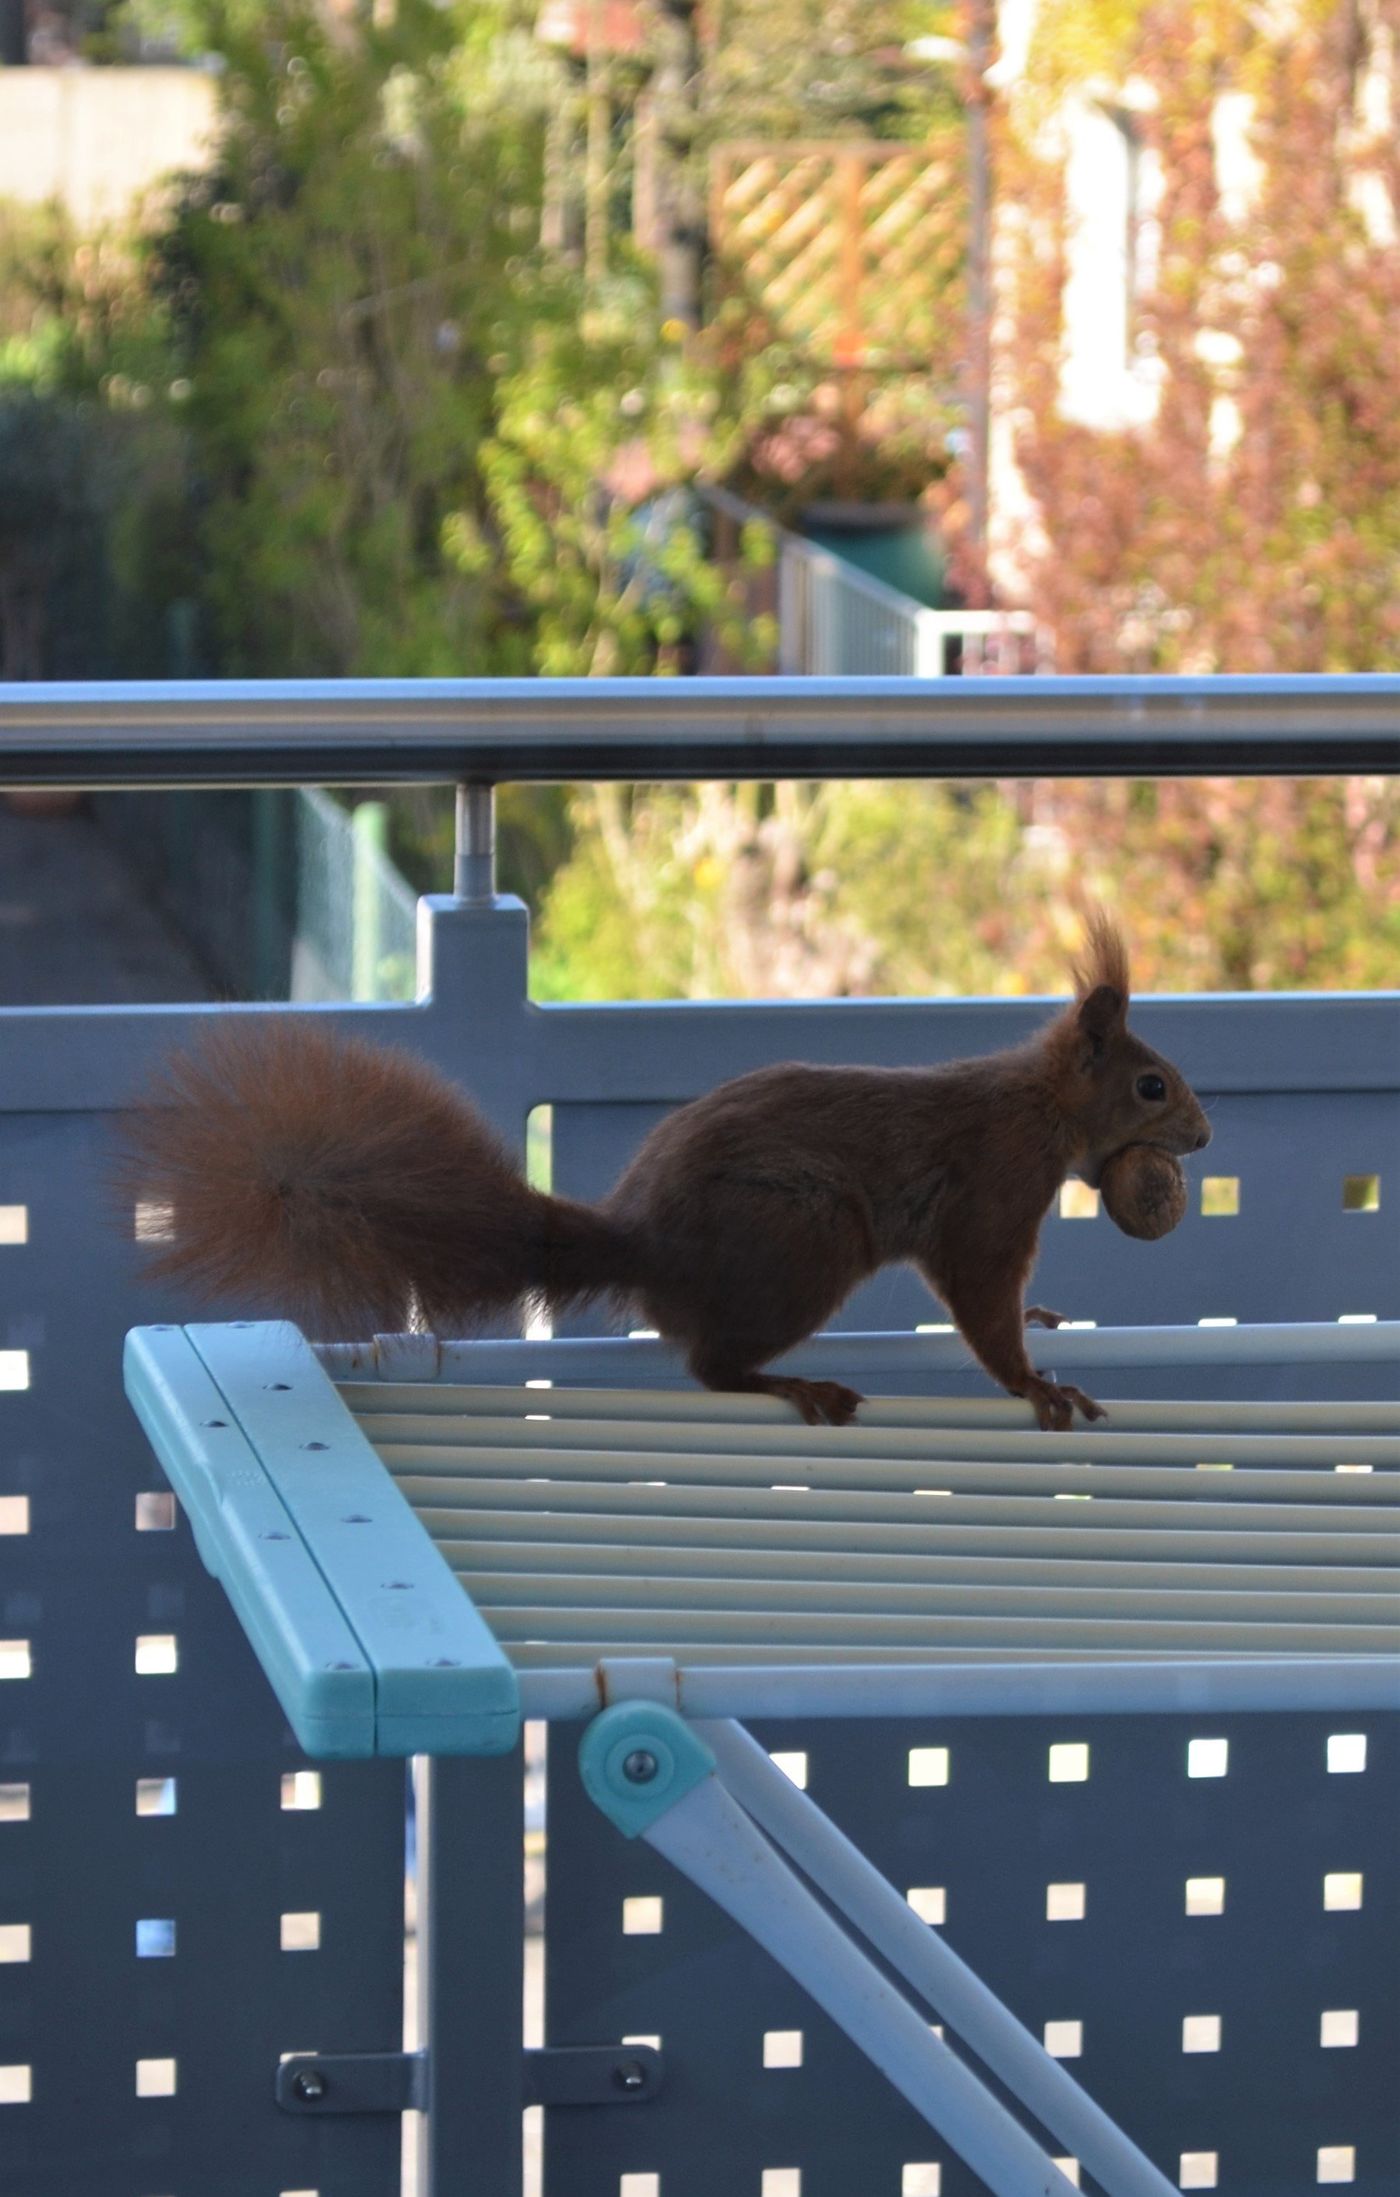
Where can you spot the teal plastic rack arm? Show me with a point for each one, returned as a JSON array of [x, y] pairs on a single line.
[[242, 1529], [368, 1640]]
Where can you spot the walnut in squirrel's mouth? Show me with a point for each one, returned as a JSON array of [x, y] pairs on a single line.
[[1144, 1190]]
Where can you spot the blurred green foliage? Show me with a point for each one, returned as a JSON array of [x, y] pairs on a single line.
[[343, 413]]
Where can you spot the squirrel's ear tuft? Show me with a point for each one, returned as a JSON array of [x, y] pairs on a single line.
[[1102, 1013], [1103, 965]]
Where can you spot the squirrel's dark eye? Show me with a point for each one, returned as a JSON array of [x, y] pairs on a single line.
[[1151, 1087]]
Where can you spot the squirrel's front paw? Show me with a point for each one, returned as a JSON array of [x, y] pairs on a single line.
[[1055, 1403], [1039, 1315]]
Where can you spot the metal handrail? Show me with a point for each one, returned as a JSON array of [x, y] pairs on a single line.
[[437, 731]]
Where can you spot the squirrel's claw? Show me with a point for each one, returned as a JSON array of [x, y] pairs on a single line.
[[1037, 1315], [1055, 1403]]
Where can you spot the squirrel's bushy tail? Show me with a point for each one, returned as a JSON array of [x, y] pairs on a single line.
[[351, 1187]]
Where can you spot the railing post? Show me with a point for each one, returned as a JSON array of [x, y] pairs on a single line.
[[474, 871], [930, 660], [470, 1827], [369, 826], [791, 622]]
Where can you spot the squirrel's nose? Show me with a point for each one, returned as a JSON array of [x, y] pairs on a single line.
[[1203, 1139]]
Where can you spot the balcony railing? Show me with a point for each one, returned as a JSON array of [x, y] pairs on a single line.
[[184, 1899], [426, 731]]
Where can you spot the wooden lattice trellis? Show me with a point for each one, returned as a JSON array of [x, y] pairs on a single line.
[[852, 250]]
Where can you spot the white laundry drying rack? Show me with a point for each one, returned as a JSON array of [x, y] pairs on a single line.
[[666, 1565]]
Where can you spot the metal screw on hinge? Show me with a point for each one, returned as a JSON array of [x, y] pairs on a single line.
[[640, 1766], [310, 2085], [630, 2075]]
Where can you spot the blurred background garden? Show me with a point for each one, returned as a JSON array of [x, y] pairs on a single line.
[[499, 338]]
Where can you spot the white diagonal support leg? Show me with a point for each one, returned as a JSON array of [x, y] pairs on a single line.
[[711, 1840], [649, 1772]]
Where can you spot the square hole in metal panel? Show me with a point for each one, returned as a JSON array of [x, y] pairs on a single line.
[[153, 1222], [1339, 2028], [781, 2181], [1336, 2163], [1069, 2168], [156, 1796], [1341, 1890], [155, 1938], [155, 1512], [928, 1765], [301, 1789], [14, 1941], [301, 1933], [639, 2185], [643, 1916], [14, 1803], [16, 2085], [1069, 1762], [1205, 1895], [1207, 1757], [793, 1765], [1064, 2040], [14, 1514], [782, 2048], [1361, 1193], [929, 1902], [16, 1659], [14, 1224], [14, 1369], [1078, 1202], [156, 2078], [1200, 2033], [921, 2178], [1220, 1196], [1198, 2170], [1346, 1752], [157, 1654], [1064, 1903]]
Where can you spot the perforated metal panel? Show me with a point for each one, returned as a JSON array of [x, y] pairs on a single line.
[[1122, 1856], [182, 1897]]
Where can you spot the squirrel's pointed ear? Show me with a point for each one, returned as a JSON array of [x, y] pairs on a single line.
[[1102, 1013]]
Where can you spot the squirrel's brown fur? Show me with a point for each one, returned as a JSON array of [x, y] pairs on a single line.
[[344, 1183], [341, 1182]]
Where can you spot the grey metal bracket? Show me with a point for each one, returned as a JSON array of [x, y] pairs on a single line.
[[353, 2082], [592, 2074], [397, 2082]]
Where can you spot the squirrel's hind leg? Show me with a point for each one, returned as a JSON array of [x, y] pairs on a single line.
[[820, 1403]]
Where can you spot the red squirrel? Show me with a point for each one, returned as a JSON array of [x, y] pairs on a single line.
[[348, 1183]]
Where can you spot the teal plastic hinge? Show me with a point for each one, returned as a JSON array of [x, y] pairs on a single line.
[[637, 1760]]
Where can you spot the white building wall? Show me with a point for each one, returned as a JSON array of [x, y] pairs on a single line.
[[1113, 189], [101, 142]]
